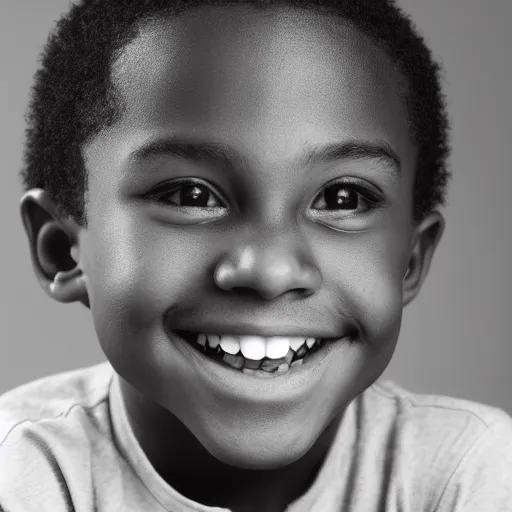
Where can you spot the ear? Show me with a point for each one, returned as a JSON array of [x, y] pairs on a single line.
[[426, 237], [53, 241]]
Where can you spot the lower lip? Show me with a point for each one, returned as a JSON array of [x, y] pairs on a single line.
[[295, 382]]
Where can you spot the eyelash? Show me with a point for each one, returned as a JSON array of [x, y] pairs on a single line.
[[166, 189], [368, 194]]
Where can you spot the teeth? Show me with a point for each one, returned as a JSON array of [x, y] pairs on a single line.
[[283, 368], [235, 361], [252, 364], [298, 362], [277, 347], [302, 351], [213, 340], [270, 365], [230, 344], [296, 343], [252, 347], [258, 355], [310, 342], [259, 374]]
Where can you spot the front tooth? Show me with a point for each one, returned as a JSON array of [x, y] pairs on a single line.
[[252, 347], [234, 361], [296, 363], [277, 347], [296, 343], [230, 344], [282, 369], [213, 340], [201, 339], [252, 364], [310, 342], [302, 351], [270, 365]]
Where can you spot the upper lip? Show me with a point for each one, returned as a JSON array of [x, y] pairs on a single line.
[[254, 329]]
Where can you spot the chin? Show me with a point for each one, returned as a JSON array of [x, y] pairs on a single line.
[[257, 457], [257, 450]]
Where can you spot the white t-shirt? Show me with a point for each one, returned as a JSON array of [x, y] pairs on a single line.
[[66, 445]]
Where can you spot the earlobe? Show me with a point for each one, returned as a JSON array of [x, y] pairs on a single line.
[[426, 238], [53, 241], [68, 286]]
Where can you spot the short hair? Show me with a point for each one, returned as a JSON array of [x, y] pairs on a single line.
[[73, 98]]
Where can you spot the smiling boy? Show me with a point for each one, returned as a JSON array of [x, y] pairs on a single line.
[[245, 195]]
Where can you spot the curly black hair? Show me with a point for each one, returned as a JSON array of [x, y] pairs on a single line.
[[73, 98]]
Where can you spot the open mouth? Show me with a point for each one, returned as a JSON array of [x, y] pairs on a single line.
[[255, 355]]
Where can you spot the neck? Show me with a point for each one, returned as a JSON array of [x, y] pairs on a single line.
[[191, 470]]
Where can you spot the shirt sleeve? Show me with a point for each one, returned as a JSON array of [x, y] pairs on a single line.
[[31, 474], [483, 479]]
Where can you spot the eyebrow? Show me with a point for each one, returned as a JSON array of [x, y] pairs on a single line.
[[226, 155]]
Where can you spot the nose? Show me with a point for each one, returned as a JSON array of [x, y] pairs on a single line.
[[269, 268]]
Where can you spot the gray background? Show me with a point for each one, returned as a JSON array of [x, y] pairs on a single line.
[[455, 338]]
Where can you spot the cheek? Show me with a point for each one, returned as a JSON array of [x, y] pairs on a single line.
[[365, 272], [377, 298], [135, 275]]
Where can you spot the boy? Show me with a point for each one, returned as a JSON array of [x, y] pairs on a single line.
[[245, 196]]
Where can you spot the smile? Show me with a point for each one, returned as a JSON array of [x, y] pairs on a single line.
[[256, 355]]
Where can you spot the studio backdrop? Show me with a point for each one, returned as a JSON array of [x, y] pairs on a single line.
[[456, 337]]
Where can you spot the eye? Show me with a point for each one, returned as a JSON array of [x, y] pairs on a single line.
[[187, 194], [345, 197]]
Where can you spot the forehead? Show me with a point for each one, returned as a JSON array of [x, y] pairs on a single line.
[[271, 79]]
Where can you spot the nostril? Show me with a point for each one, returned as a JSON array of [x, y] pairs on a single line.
[[267, 273], [246, 291], [267, 294]]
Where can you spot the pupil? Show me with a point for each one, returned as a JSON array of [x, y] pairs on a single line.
[[193, 195], [340, 197]]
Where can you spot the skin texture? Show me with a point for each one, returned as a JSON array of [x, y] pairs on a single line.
[[265, 259]]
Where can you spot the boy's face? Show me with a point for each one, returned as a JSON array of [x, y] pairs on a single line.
[[270, 254]]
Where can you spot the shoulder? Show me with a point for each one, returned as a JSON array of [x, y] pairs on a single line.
[[458, 452], [46, 426], [54, 397], [435, 408], [430, 415], [435, 421]]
